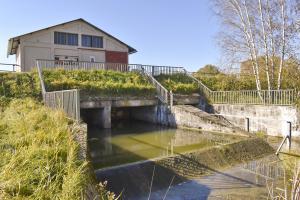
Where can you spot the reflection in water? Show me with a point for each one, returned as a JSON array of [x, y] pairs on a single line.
[[131, 141]]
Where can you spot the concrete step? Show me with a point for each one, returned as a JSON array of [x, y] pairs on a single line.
[[192, 117]]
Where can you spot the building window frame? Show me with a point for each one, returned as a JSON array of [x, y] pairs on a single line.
[[63, 38], [92, 41]]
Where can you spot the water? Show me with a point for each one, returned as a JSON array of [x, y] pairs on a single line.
[[125, 155], [133, 141]]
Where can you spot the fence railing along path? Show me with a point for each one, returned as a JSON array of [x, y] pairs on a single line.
[[150, 71], [66, 100], [263, 97]]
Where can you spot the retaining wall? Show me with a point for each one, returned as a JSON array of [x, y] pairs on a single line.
[[270, 119]]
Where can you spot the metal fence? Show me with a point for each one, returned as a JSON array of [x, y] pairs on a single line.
[[159, 70], [76, 65], [264, 97], [67, 100], [122, 67], [162, 93]]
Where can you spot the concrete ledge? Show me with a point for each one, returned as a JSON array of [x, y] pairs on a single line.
[[187, 99], [117, 103]]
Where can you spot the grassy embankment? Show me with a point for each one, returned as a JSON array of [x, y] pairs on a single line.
[[38, 155], [179, 84], [92, 83], [100, 83]]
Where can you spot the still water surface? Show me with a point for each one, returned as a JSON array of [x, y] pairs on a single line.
[[123, 156], [134, 141]]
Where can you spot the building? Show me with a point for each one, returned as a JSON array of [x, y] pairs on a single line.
[[76, 40]]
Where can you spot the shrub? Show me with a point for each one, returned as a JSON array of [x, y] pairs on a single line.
[[178, 83]]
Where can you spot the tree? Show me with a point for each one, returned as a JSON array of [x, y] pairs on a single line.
[[209, 69], [255, 29]]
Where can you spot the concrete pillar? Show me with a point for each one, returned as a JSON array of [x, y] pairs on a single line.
[[106, 117]]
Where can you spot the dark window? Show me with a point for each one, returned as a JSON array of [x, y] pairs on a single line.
[[92, 41], [65, 38], [86, 41]]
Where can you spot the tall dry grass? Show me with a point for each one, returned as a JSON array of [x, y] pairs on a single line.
[[38, 156]]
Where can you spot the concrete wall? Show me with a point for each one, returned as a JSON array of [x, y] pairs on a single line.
[[40, 45], [270, 119]]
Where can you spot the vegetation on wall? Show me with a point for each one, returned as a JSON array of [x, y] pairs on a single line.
[[95, 83], [178, 83], [99, 82]]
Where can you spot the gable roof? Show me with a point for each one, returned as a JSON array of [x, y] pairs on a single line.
[[14, 42]]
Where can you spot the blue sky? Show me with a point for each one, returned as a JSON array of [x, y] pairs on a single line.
[[165, 32]]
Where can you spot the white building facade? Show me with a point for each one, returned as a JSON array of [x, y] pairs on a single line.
[[77, 40]]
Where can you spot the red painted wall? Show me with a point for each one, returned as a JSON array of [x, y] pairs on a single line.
[[116, 57]]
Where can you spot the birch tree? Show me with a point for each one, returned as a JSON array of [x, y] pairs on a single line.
[[254, 29]]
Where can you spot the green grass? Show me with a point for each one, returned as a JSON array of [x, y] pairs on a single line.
[[91, 83], [100, 83], [38, 155], [19, 85], [178, 84]]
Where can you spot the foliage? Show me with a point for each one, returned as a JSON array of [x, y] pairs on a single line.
[[246, 81], [92, 83], [226, 82], [178, 83], [38, 155], [18, 85], [99, 82], [209, 69]]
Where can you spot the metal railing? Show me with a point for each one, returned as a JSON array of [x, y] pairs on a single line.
[[79, 65], [203, 88], [162, 93], [264, 97], [149, 70], [9, 65], [67, 100], [123, 67], [159, 70]]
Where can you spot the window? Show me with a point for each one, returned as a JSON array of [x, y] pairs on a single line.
[[65, 38], [92, 41], [92, 59]]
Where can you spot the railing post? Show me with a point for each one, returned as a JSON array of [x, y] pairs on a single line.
[[41, 78], [77, 92], [171, 99], [247, 124], [152, 71], [289, 134]]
